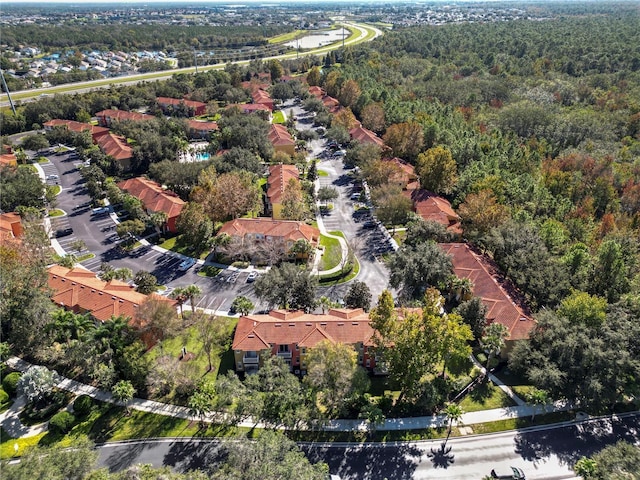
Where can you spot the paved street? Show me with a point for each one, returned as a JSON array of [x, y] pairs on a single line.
[[543, 453]]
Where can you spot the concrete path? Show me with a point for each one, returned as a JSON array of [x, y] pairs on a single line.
[[11, 424], [506, 389]]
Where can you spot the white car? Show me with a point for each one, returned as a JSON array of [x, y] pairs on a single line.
[[186, 264], [252, 277]]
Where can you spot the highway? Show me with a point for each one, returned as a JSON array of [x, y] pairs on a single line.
[[363, 33], [542, 452]]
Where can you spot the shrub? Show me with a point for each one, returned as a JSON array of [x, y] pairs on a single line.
[[4, 397], [62, 422], [82, 405], [10, 383]]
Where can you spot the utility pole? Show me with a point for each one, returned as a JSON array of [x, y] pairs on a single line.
[[6, 89]]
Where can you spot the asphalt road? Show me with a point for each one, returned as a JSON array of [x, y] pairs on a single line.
[[543, 453]]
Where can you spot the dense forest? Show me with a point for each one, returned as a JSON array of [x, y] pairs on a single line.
[[137, 37]]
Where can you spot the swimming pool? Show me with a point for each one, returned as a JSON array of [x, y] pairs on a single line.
[[202, 156]]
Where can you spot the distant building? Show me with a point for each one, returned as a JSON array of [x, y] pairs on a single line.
[[117, 148], [365, 136], [281, 139], [195, 108], [201, 130], [10, 227], [106, 117], [155, 199], [277, 181], [263, 98], [77, 127]]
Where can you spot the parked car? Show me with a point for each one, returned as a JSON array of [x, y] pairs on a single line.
[[63, 232], [52, 177], [100, 211], [511, 473], [252, 277], [186, 264]]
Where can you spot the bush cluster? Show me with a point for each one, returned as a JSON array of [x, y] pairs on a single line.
[[10, 383]]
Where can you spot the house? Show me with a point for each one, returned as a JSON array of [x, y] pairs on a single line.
[[79, 290], [77, 127], [251, 108], [280, 233], [10, 227], [277, 181], [502, 307], [116, 147], [195, 108], [106, 117], [254, 85], [317, 92], [290, 335], [202, 130], [331, 104], [8, 160], [155, 199], [281, 139], [366, 136], [263, 98], [433, 208]]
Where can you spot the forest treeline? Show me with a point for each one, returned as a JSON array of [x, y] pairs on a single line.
[[130, 38]]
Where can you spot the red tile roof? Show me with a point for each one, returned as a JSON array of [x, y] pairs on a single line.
[[115, 146], [250, 107], [279, 327], [501, 307], [80, 290], [9, 159], [78, 127], [279, 135], [202, 126], [109, 115], [260, 96], [287, 230], [437, 209], [279, 176], [10, 226], [177, 101], [317, 92], [363, 135], [152, 195]]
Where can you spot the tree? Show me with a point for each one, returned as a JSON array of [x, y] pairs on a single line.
[[294, 206], [344, 119], [437, 170], [59, 462], [611, 274], [68, 261], [276, 70], [453, 412], [349, 93], [123, 392], [145, 282], [20, 187], [194, 221], [178, 294], [617, 462], [226, 196], [335, 376], [474, 314], [413, 269], [35, 142], [392, 208], [214, 334], [130, 229], [201, 401], [420, 230], [480, 212], [493, 340], [157, 318], [36, 383], [580, 308], [243, 305], [373, 117], [314, 76], [287, 286], [158, 220], [358, 296], [272, 455], [537, 397], [71, 326], [405, 139], [191, 292], [367, 156], [327, 194], [107, 273], [587, 468]]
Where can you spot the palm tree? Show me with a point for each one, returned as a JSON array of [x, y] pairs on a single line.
[[454, 413], [179, 296], [114, 332], [71, 326], [158, 220], [191, 292], [493, 340]]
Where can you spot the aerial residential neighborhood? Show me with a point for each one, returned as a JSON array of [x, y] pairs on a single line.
[[340, 241]]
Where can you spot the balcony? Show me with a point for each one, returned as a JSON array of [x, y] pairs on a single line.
[[284, 354], [250, 359]]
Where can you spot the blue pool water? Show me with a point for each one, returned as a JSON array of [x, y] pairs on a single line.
[[202, 156]]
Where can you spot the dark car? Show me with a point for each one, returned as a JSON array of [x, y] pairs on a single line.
[[511, 473], [369, 224], [64, 232]]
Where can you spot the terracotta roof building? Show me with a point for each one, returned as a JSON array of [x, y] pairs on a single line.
[[433, 208], [262, 232], [77, 127], [331, 104], [155, 199], [289, 335], [281, 139], [195, 108], [8, 160], [198, 129], [79, 290], [501, 307], [279, 176], [117, 148], [363, 135], [106, 117], [263, 98], [317, 92], [251, 107], [10, 227]]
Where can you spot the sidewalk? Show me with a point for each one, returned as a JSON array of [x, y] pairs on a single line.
[[10, 422]]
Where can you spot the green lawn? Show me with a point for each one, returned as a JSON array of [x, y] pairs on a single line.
[[278, 117], [181, 245], [286, 37], [322, 173], [55, 213], [486, 396], [209, 271], [332, 253], [190, 339], [518, 384], [84, 257]]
